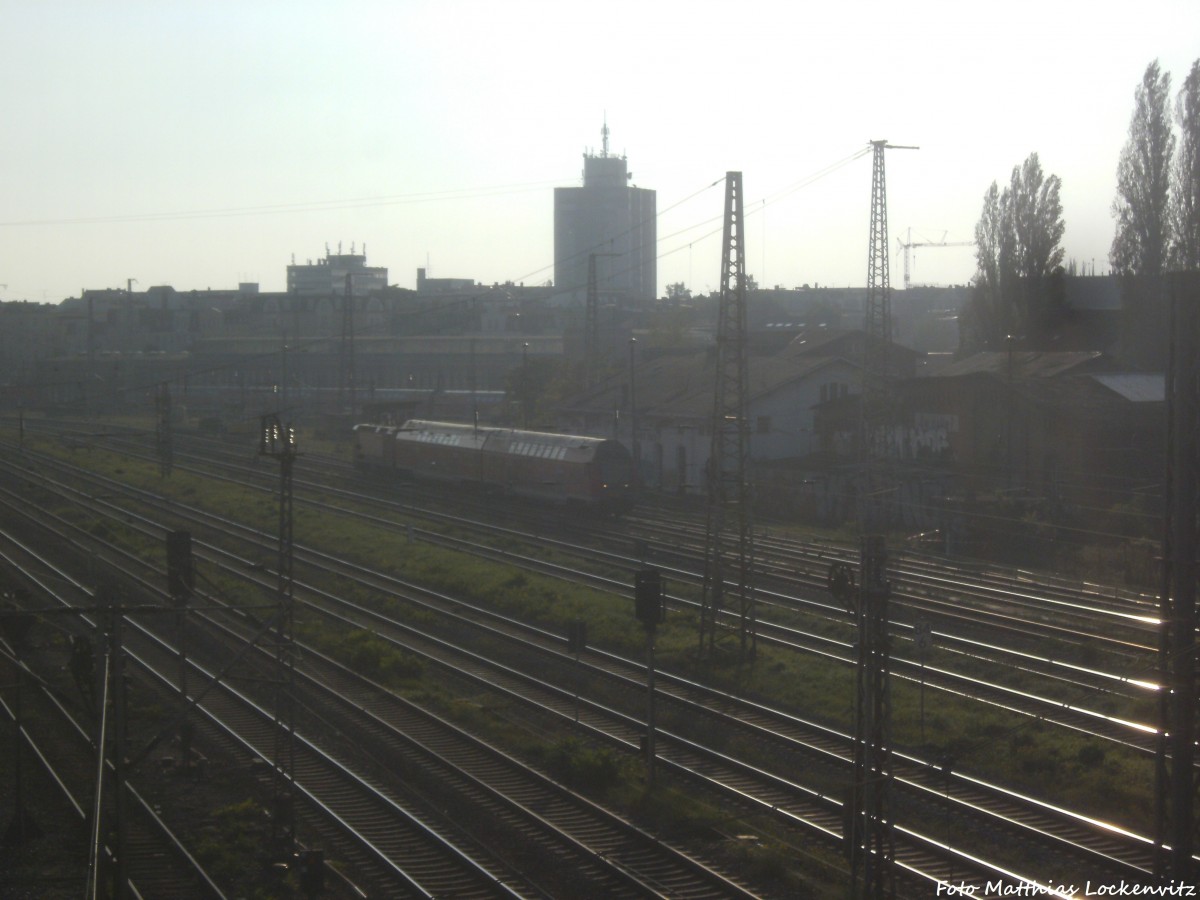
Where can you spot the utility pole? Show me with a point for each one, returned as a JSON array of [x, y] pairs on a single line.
[[729, 531], [1175, 775]]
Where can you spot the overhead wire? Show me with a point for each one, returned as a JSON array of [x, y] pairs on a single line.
[[298, 207], [758, 206], [466, 194]]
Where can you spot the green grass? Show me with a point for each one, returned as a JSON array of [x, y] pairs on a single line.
[[1044, 761]]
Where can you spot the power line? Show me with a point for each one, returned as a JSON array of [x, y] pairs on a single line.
[[299, 207]]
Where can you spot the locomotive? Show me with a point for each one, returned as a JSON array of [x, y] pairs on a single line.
[[555, 468]]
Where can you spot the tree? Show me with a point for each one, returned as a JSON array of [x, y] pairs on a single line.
[[677, 291], [988, 315], [1037, 224], [1185, 180], [1018, 252], [1143, 180], [1037, 230]]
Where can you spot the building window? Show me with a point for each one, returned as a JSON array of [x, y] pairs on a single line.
[[832, 390]]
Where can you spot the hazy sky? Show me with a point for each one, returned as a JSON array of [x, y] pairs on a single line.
[[200, 144]]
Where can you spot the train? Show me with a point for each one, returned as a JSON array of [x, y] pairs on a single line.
[[570, 470]]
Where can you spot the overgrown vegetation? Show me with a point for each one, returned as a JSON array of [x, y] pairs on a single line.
[[230, 846], [1042, 760]]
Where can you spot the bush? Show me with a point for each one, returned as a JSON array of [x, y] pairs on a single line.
[[582, 767], [371, 656]]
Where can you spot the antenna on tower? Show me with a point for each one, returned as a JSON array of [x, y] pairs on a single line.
[[604, 136]]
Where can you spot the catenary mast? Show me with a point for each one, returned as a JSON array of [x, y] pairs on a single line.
[[729, 535]]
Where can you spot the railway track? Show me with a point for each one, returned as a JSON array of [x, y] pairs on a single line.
[[585, 844], [972, 612], [58, 760], [925, 766]]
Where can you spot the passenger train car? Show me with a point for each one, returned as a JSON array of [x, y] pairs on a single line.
[[558, 468]]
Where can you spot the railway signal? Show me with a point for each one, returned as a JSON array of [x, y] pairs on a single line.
[[278, 440], [649, 605]]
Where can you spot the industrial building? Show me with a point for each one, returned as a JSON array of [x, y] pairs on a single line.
[[327, 276]]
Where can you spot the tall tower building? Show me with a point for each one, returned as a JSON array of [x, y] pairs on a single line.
[[616, 222]]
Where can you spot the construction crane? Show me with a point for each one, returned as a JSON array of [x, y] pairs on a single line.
[[911, 243]]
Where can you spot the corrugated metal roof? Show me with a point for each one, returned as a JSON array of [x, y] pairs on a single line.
[[1136, 386], [1019, 363]]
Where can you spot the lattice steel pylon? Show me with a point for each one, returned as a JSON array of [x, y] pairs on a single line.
[[877, 317], [869, 825], [729, 533], [1176, 782], [870, 834]]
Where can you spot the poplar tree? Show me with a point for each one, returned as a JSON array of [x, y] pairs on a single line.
[[993, 255], [1143, 179], [1185, 180], [1037, 220], [1018, 252]]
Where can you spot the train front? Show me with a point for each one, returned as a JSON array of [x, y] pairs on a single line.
[[614, 481]]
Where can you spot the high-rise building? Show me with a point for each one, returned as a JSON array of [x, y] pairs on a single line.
[[612, 220]]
